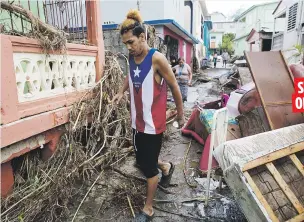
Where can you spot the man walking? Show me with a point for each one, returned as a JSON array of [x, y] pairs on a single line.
[[215, 59], [147, 82], [225, 57]]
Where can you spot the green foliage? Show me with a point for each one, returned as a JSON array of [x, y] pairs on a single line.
[[300, 48], [227, 43]]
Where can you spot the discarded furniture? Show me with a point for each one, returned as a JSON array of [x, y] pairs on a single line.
[[265, 173], [297, 70], [218, 136], [253, 122], [274, 83]]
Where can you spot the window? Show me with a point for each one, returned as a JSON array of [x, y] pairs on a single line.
[[219, 25], [243, 19], [232, 26], [278, 42], [213, 37], [282, 16], [292, 17]]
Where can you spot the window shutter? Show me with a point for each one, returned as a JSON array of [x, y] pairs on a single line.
[[292, 17]]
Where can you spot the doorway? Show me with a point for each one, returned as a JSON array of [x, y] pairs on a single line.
[[266, 45]]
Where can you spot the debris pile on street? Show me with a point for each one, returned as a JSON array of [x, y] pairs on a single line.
[[86, 150]]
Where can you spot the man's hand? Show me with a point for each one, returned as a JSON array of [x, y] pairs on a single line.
[[117, 98], [181, 121], [189, 83]]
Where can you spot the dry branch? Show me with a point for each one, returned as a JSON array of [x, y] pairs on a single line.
[[141, 180], [49, 37]]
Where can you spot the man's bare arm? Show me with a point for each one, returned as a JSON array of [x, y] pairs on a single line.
[[120, 94], [164, 70], [125, 86]]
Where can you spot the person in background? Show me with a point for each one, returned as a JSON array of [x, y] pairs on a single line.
[[173, 61], [225, 57], [215, 59], [184, 77]]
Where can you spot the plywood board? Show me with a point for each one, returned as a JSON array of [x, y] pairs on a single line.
[[275, 86]]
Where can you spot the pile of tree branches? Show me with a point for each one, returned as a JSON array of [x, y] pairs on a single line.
[[97, 137], [49, 37]]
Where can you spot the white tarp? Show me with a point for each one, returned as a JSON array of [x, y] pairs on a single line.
[[243, 150]]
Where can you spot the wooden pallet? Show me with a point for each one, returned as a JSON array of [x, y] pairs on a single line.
[[270, 164]]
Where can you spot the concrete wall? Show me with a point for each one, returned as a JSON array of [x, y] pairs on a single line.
[[187, 18], [225, 27], [258, 18], [218, 39], [113, 43], [197, 20], [184, 47], [207, 40], [173, 9], [240, 46], [254, 42], [218, 17], [189, 53], [291, 37], [197, 30], [115, 10]]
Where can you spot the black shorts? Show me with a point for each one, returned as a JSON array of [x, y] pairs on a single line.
[[147, 149]]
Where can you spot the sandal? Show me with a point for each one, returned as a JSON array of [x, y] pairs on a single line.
[[143, 217], [166, 179]]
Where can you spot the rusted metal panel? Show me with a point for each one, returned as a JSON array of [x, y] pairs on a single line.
[[275, 85]]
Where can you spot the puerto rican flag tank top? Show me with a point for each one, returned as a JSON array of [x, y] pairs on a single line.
[[148, 98]]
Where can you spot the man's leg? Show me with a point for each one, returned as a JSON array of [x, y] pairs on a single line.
[[147, 152], [151, 189], [164, 167]]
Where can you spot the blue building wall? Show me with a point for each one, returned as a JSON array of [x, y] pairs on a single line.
[[207, 28]]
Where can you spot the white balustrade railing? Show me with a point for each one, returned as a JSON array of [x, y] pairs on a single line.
[[41, 76]]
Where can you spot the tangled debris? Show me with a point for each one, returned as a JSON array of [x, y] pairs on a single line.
[[97, 137], [49, 37], [154, 41]]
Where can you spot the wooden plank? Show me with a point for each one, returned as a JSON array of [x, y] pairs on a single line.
[[286, 66], [270, 69], [299, 218], [297, 163], [274, 156], [284, 186], [258, 89], [260, 197]]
